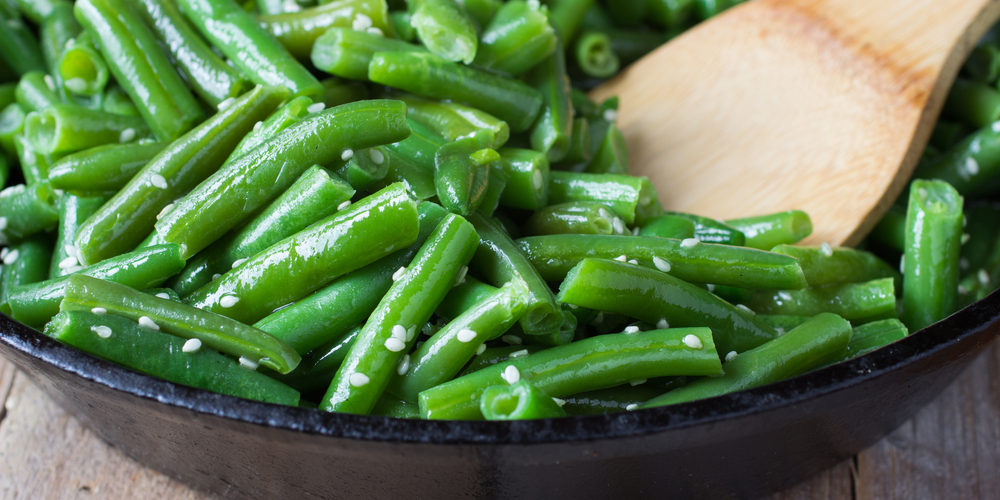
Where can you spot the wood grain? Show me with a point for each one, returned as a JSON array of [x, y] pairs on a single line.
[[819, 105], [948, 450]]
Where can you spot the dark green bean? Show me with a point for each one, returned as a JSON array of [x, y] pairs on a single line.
[[826, 265], [972, 102], [298, 31], [669, 226], [566, 17], [859, 302], [632, 198], [712, 230], [461, 172], [767, 231], [972, 166], [517, 38], [346, 53], [317, 368], [102, 168], [520, 401], [67, 128], [553, 131], [983, 64]]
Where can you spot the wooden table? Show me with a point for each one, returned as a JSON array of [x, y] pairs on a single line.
[[951, 449]]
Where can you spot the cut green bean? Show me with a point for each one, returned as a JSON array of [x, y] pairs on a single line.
[[36, 92], [632, 198], [711, 230], [34, 164], [445, 29], [517, 38], [298, 31], [455, 121], [582, 217], [102, 168], [67, 128], [317, 368], [73, 210], [611, 157], [24, 263], [553, 131], [36, 10], [859, 302], [346, 53], [462, 170], [972, 166], [875, 335], [337, 91], [520, 401], [595, 56], [566, 16], [11, 124], [82, 68], [26, 210], [528, 178], [767, 231], [287, 115], [983, 64], [826, 265]]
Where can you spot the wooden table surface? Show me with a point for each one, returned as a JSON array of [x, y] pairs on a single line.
[[950, 449]]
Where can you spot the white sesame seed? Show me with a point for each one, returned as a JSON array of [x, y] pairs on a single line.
[[403, 366], [164, 211], [100, 311], [398, 275], [971, 168], [633, 261], [101, 331], [783, 295], [982, 276], [49, 82], [692, 341], [689, 242], [147, 322], [745, 308], [661, 264], [632, 407], [780, 330], [11, 257], [163, 295], [826, 249], [610, 115], [347, 154], [902, 263], [127, 135], [631, 329], [511, 340], [358, 379], [511, 375], [962, 290], [257, 126], [238, 262], [316, 108], [216, 276], [730, 355], [68, 262], [621, 258], [635, 231], [573, 306], [375, 31], [3, 252], [481, 349], [226, 103], [559, 402], [966, 237], [466, 335], [76, 85], [536, 179], [3, 223], [461, 275], [394, 344], [398, 332], [638, 381], [344, 205], [376, 156], [617, 225], [662, 324], [158, 181], [228, 301], [248, 363], [518, 354], [361, 22], [191, 345]]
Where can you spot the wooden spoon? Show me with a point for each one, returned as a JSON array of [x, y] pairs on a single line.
[[821, 105]]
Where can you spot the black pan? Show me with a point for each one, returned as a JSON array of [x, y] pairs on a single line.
[[743, 444]]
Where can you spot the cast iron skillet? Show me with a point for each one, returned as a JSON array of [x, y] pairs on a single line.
[[742, 444]]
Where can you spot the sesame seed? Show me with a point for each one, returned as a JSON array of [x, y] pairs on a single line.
[[257, 126], [689, 242], [461, 275], [638, 381], [404, 365], [610, 115], [163, 295], [511, 375], [248, 363], [68, 262], [11, 257], [965, 238], [511, 340], [662, 324], [216, 276], [632, 407], [661, 264], [158, 181], [147, 322], [127, 135], [692, 341], [730, 355], [375, 31], [780, 330], [228, 301], [982, 276], [621, 258], [745, 308], [481, 349], [394, 344], [49, 82], [3, 223], [398, 275], [191, 345], [784, 295], [3, 252], [399, 332], [316, 108], [238, 262], [559, 402], [971, 167], [826, 249], [466, 335], [164, 211], [962, 290], [635, 231], [101, 331], [344, 205], [536, 179], [361, 22], [100, 311], [617, 225], [518, 354], [376, 156], [76, 85], [358, 379], [347, 154], [631, 329], [226, 103]]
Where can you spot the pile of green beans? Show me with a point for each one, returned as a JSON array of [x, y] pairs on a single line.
[[413, 209]]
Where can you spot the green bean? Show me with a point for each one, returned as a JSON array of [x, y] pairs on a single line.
[[36, 303], [611, 156], [859, 302], [930, 261], [299, 264], [66, 128], [314, 196], [391, 329], [420, 147], [366, 168], [632, 198], [81, 67], [36, 92], [132, 212], [494, 355], [826, 265], [554, 255], [102, 168], [870, 336], [165, 356], [209, 76], [26, 210], [277, 6], [455, 121], [34, 165], [946, 134], [552, 132], [239, 188], [520, 401], [622, 398], [815, 342], [445, 29], [468, 292], [7, 94], [444, 354], [594, 56], [711, 230], [891, 229], [298, 31], [579, 143], [767, 231], [58, 28], [84, 293], [972, 166], [461, 172], [317, 368], [140, 66], [18, 46], [983, 243], [517, 38], [975, 103], [631, 44], [655, 297], [346, 53], [419, 181], [669, 226], [496, 185], [249, 46], [11, 124], [429, 76], [589, 364], [566, 17], [73, 210], [528, 178], [24, 263], [582, 217], [402, 26], [4, 170]]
